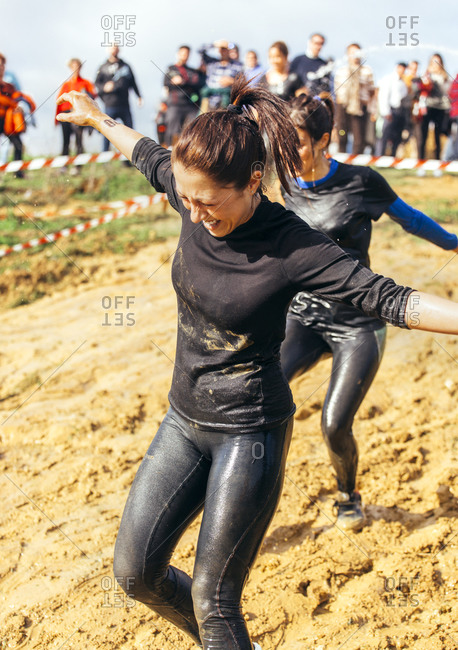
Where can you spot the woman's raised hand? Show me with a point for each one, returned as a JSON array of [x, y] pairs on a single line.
[[85, 110]]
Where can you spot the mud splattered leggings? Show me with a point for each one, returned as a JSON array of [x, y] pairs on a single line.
[[356, 355], [236, 479]]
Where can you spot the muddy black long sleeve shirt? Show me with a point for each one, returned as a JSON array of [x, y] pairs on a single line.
[[233, 294]]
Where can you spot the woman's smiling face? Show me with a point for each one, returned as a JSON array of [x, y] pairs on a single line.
[[220, 209]]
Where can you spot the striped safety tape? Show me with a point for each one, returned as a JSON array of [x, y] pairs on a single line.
[[83, 211], [131, 206], [61, 161], [398, 163], [450, 166]]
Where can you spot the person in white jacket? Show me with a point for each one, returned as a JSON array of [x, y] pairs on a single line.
[[392, 90]]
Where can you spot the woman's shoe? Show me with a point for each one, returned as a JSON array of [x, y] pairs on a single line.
[[350, 515]]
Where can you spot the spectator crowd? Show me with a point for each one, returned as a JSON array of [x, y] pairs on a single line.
[[398, 115]]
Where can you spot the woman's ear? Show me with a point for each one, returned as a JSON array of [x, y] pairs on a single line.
[[256, 178], [323, 142]]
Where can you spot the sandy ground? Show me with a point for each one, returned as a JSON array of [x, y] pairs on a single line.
[[84, 384]]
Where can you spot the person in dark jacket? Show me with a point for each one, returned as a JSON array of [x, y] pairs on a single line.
[[314, 72], [114, 80], [183, 84]]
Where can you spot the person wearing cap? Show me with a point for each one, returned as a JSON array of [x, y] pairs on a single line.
[[76, 82], [220, 75]]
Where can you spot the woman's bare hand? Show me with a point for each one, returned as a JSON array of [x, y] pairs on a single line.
[[85, 111]]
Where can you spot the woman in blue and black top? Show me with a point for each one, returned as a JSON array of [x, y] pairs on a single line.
[[342, 201]]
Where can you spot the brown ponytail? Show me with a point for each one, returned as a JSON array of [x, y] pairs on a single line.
[[228, 145], [313, 114]]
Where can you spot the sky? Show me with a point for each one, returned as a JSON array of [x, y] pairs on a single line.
[[38, 38]]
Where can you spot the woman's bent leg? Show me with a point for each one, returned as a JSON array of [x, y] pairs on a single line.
[[301, 349], [354, 366], [167, 494], [243, 490]]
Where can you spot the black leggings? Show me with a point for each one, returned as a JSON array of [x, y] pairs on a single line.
[[355, 360], [67, 131], [15, 140], [436, 116], [237, 480]]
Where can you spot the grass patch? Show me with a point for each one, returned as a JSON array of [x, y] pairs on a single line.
[[111, 181], [435, 197], [29, 275], [139, 229], [26, 299], [14, 229], [441, 210]]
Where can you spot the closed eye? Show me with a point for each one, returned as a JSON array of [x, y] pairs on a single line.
[[206, 205]]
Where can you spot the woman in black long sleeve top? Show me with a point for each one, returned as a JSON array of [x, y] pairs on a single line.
[[222, 446]]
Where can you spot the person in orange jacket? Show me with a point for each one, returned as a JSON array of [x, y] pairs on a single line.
[[76, 82], [12, 120]]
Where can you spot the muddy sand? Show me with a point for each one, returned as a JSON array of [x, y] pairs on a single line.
[[84, 382]]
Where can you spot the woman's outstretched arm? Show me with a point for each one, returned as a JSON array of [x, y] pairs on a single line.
[[431, 313], [86, 112], [417, 223]]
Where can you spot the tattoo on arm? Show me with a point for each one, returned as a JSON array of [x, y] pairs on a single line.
[[110, 122]]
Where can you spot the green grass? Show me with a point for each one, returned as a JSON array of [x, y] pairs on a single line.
[[22, 198], [24, 299], [442, 210], [111, 181], [38, 271], [127, 234], [14, 230]]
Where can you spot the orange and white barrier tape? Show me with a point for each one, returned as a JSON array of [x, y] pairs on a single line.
[[362, 159], [62, 161], [398, 163], [131, 206], [86, 210]]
